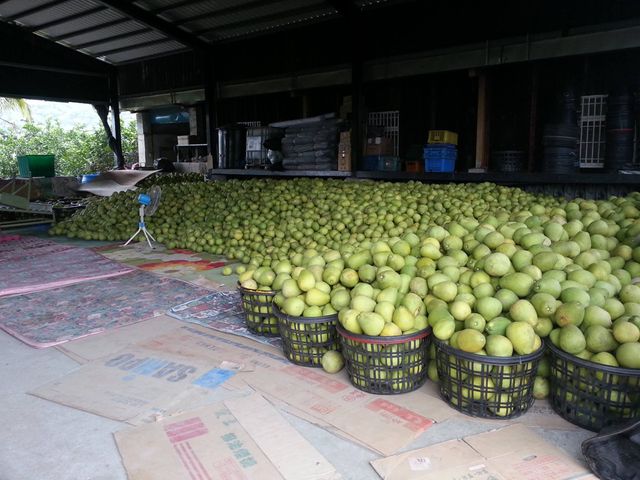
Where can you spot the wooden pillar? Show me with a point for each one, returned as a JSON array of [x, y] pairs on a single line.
[[482, 124]]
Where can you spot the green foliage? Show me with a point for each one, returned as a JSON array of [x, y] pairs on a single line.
[[78, 151], [18, 104]]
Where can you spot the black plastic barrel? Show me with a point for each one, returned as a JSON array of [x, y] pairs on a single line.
[[232, 146], [619, 151], [560, 143], [620, 112], [567, 112], [620, 132]]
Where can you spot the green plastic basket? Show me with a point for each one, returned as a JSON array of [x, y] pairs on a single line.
[[37, 165]]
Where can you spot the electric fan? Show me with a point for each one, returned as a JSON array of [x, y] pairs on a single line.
[[148, 205]]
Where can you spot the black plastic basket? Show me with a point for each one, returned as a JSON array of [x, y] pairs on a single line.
[[487, 387], [61, 213], [592, 395], [258, 311], [306, 339], [386, 365]]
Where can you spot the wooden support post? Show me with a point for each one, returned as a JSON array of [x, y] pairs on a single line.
[[533, 116], [482, 125]]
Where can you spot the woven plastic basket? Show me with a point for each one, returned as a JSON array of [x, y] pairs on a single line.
[[306, 339], [592, 395], [386, 365], [483, 386], [258, 311]]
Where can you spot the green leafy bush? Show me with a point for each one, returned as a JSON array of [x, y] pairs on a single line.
[[78, 150]]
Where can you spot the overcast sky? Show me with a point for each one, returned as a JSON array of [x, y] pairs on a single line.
[[70, 115]]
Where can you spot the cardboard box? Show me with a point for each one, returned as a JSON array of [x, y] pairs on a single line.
[[513, 452], [344, 156], [379, 146], [344, 161], [244, 438]]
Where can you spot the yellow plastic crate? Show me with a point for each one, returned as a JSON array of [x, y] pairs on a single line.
[[443, 136]]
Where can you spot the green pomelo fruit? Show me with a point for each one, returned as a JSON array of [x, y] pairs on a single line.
[[524, 311], [371, 323], [489, 307], [332, 361], [522, 336], [498, 346], [544, 303], [626, 332], [519, 283], [600, 339], [628, 355], [470, 340], [571, 339], [571, 313], [497, 264]]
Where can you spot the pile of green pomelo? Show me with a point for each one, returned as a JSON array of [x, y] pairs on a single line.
[[492, 270]]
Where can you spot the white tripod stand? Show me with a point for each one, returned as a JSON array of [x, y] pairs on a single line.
[[144, 200]]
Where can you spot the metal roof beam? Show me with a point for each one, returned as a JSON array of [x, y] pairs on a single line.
[[31, 11], [346, 8], [82, 31], [150, 43], [144, 16], [120, 36], [226, 11], [173, 6], [68, 18], [256, 21]]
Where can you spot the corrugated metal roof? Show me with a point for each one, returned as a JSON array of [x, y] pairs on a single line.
[[56, 12], [95, 28], [92, 20], [145, 52], [138, 39], [229, 32], [8, 9], [253, 14]]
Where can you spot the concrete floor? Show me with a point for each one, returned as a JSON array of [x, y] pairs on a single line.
[[47, 441]]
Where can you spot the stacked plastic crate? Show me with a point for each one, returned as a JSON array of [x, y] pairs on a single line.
[[441, 152]]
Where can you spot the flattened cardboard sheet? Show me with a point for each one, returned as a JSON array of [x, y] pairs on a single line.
[[511, 453]]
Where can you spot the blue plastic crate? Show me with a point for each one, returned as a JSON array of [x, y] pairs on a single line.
[[384, 163], [440, 148], [369, 163], [441, 156], [439, 164]]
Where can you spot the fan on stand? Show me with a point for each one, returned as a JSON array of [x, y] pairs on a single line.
[[148, 205]]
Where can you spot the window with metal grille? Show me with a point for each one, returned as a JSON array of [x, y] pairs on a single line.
[[390, 121], [592, 137]]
